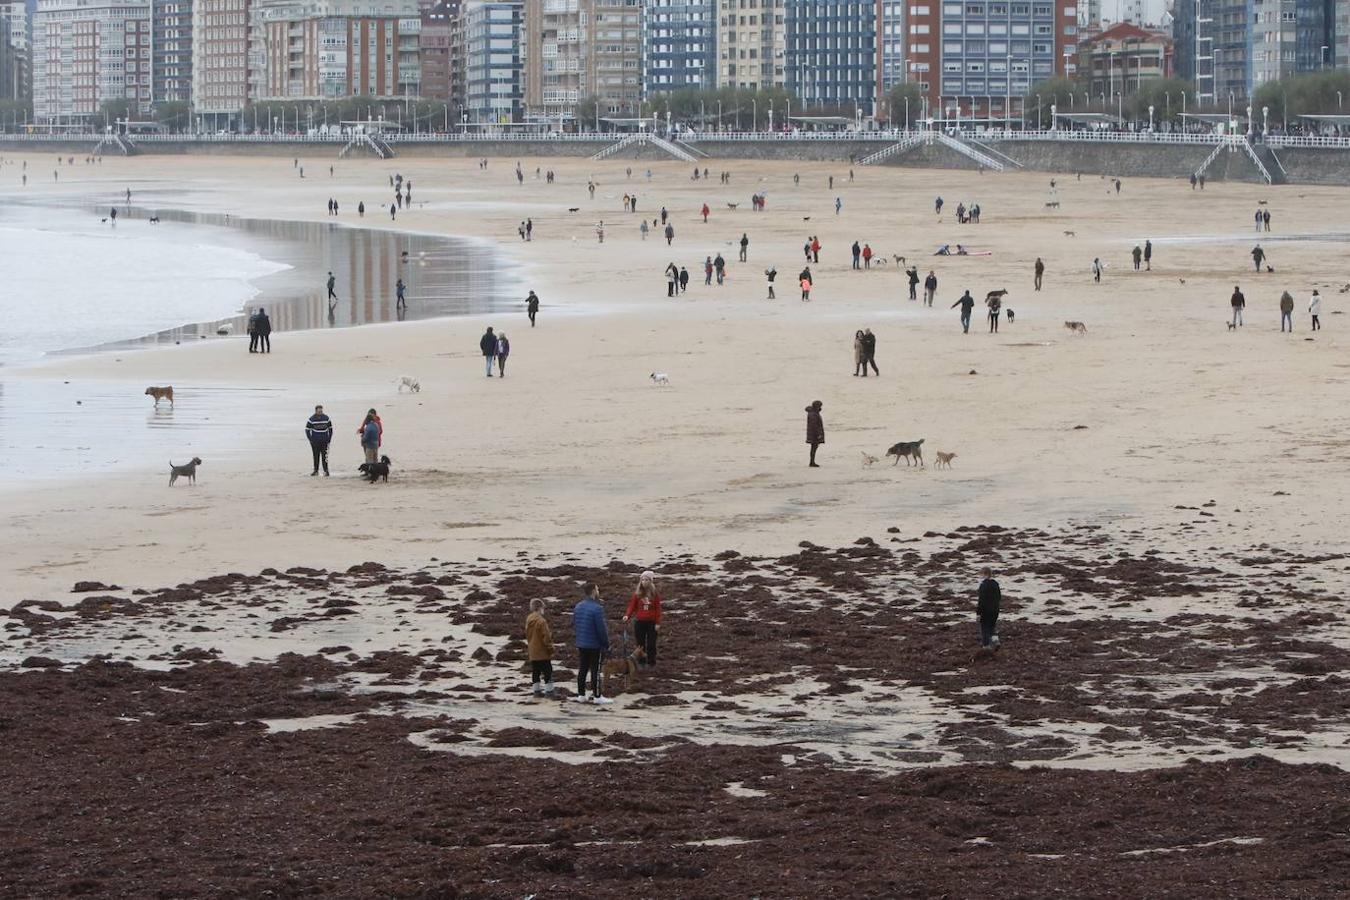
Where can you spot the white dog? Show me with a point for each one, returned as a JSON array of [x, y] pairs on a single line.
[[409, 382], [661, 378]]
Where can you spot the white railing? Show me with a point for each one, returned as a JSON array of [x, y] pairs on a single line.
[[1101, 137], [1308, 140]]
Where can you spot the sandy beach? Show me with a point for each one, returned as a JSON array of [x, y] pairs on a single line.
[[1163, 495]]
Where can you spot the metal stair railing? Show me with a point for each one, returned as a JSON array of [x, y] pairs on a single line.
[[913, 139], [965, 149]]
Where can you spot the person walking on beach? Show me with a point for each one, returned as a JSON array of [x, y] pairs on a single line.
[[644, 608], [720, 266], [929, 288], [670, 234], [870, 352], [672, 279], [937, 206], [393, 213], [264, 332], [361, 209], [539, 642], [770, 274], [995, 305], [815, 249], [643, 229], [857, 255], [1040, 272], [815, 430], [532, 306], [1287, 312], [1315, 310], [372, 436], [1239, 303], [592, 639], [1265, 219], [529, 227], [986, 609], [487, 345], [745, 245], [1137, 254], [1258, 257], [805, 281], [967, 304], [707, 270], [1097, 269], [684, 279], [503, 351], [1148, 255], [858, 366], [913, 273], [332, 295], [838, 205], [704, 213], [399, 290], [319, 430]]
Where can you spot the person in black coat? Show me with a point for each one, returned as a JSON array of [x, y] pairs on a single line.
[[319, 430], [264, 332], [986, 609], [870, 352], [487, 345], [815, 429]]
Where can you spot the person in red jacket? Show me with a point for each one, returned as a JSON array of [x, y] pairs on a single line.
[[705, 213], [645, 609]]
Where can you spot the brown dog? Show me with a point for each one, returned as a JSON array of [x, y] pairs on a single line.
[[944, 459], [626, 666], [1076, 327], [160, 393]]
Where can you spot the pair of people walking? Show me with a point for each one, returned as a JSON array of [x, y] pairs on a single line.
[[864, 352], [495, 349], [259, 332]]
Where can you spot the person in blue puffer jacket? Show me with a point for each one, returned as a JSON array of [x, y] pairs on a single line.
[[588, 623]]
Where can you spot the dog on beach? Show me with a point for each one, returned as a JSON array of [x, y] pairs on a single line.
[[944, 459], [573, 208], [899, 260], [154, 220], [910, 450], [160, 393], [1071, 234], [1076, 327], [626, 666], [188, 471], [995, 295], [409, 382], [868, 460], [732, 205], [376, 470], [1011, 315], [660, 378], [1232, 326]]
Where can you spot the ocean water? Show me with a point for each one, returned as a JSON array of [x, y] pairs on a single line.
[[68, 280]]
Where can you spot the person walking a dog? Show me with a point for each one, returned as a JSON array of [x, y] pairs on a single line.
[[815, 429], [487, 345], [986, 609], [372, 435], [644, 608], [967, 304], [319, 430], [539, 640], [592, 639], [532, 306], [1239, 303], [1258, 257]]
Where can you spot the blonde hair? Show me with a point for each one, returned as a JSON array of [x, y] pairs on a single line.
[[647, 578], [536, 605]]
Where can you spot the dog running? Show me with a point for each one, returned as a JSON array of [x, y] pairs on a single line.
[[1076, 327], [376, 470], [409, 382], [910, 450], [188, 471], [160, 393], [661, 379]]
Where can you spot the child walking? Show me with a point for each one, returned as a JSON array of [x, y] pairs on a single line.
[[539, 638]]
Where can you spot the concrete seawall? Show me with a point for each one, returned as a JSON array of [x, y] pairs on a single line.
[[1325, 166]]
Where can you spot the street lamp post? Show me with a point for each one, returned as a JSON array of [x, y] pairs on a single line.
[[1250, 123], [1054, 116], [1038, 112], [1265, 120], [1150, 117], [754, 114]]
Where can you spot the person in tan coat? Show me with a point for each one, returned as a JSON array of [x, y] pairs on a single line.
[[539, 638]]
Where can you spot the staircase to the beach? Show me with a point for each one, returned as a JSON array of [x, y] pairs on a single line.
[[374, 144], [689, 148], [1269, 164], [643, 137], [1213, 155], [124, 145], [994, 152], [909, 141], [960, 146]]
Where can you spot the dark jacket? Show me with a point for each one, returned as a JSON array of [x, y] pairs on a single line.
[[869, 342], [488, 343], [815, 426], [991, 597], [930, 283], [1286, 302], [1238, 300], [588, 622], [264, 324], [371, 434], [967, 303], [532, 303], [319, 429]]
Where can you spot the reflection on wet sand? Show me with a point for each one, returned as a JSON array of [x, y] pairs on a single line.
[[444, 276]]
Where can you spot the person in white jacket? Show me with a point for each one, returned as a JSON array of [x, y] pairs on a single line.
[[1315, 310]]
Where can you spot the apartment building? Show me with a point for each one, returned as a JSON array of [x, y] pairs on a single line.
[[555, 57], [977, 58], [220, 59], [87, 53], [1289, 37], [15, 73], [751, 44], [436, 49], [1123, 57], [171, 51], [891, 65], [494, 85], [831, 54], [679, 46], [329, 49], [615, 57]]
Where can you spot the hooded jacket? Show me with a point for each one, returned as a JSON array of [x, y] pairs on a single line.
[[815, 426], [1286, 302], [538, 637], [991, 597], [488, 343]]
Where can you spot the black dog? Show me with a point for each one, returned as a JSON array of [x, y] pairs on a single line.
[[1011, 316], [375, 471]]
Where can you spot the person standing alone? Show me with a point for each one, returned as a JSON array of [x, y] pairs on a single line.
[[644, 608], [986, 609], [1287, 312], [1315, 310], [1040, 272], [319, 430], [532, 306], [815, 429], [487, 345]]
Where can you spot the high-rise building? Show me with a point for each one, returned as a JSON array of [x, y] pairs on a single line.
[[831, 54], [892, 67], [679, 46], [435, 43], [494, 85], [329, 49], [15, 69], [983, 55], [87, 53], [8, 70], [751, 44], [615, 57], [220, 59], [1289, 37], [577, 50], [171, 51]]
